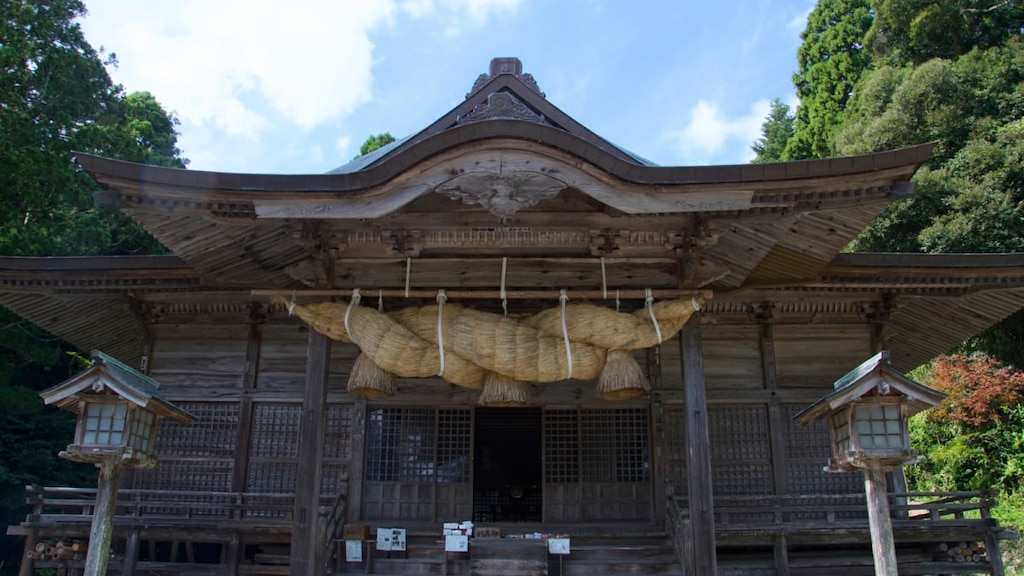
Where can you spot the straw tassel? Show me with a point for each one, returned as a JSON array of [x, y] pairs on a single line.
[[622, 377], [369, 380], [504, 392]]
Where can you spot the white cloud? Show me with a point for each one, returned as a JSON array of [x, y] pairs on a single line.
[[799, 21], [252, 69], [417, 8], [342, 145], [231, 63], [712, 137], [479, 10]]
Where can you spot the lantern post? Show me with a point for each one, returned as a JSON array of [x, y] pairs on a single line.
[[867, 415], [118, 411]]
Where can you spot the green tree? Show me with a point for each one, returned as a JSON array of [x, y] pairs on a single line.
[[974, 440], [375, 141], [55, 98], [831, 60], [969, 196], [915, 31], [777, 129]]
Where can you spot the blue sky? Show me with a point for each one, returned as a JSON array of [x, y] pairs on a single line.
[[269, 86]]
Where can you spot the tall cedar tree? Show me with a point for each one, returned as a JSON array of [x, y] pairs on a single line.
[[776, 131], [831, 61]]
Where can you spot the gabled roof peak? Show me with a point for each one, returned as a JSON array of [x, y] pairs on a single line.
[[501, 66]]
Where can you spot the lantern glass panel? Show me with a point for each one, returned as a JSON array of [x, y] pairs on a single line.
[[104, 424], [141, 435], [841, 424], [878, 427]]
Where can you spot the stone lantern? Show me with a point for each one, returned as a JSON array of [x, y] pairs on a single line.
[[867, 416], [118, 410]]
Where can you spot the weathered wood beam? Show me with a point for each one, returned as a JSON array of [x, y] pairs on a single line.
[[100, 533], [698, 454], [306, 543], [470, 294], [883, 546], [354, 498], [777, 423], [131, 554]]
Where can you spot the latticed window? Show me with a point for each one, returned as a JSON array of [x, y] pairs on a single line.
[[596, 446], [453, 440], [418, 445]]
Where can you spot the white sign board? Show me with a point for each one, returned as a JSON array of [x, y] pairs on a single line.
[[353, 551], [456, 543], [391, 539], [558, 545]]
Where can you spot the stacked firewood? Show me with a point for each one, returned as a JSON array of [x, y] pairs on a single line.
[[59, 550], [962, 552]]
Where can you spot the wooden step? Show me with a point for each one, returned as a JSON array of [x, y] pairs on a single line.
[[590, 556]]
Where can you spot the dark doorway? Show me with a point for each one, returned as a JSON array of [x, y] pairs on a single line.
[[507, 465]]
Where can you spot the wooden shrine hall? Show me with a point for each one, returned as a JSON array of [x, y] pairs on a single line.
[[508, 320]]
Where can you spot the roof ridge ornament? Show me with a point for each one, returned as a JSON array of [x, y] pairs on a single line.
[[499, 66], [502, 105]]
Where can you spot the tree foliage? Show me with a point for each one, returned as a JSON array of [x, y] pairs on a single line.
[[831, 60], [375, 141], [777, 129], [915, 31], [57, 98], [974, 440]]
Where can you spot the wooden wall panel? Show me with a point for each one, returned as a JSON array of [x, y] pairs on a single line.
[[732, 358], [562, 502], [198, 360], [815, 356], [282, 366], [282, 361]]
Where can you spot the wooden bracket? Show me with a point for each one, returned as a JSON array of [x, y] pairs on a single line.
[[605, 242], [762, 312], [406, 243]]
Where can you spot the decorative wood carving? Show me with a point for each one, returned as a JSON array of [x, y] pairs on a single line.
[[502, 105], [499, 66], [501, 194]]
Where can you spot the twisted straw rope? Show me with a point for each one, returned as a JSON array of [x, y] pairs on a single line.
[[404, 342]]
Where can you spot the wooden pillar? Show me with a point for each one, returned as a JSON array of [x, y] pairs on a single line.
[[102, 518], [307, 543], [354, 498], [777, 422], [232, 553], [698, 454], [131, 554], [781, 556], [883, 547], [27, 566], [243, 438]]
